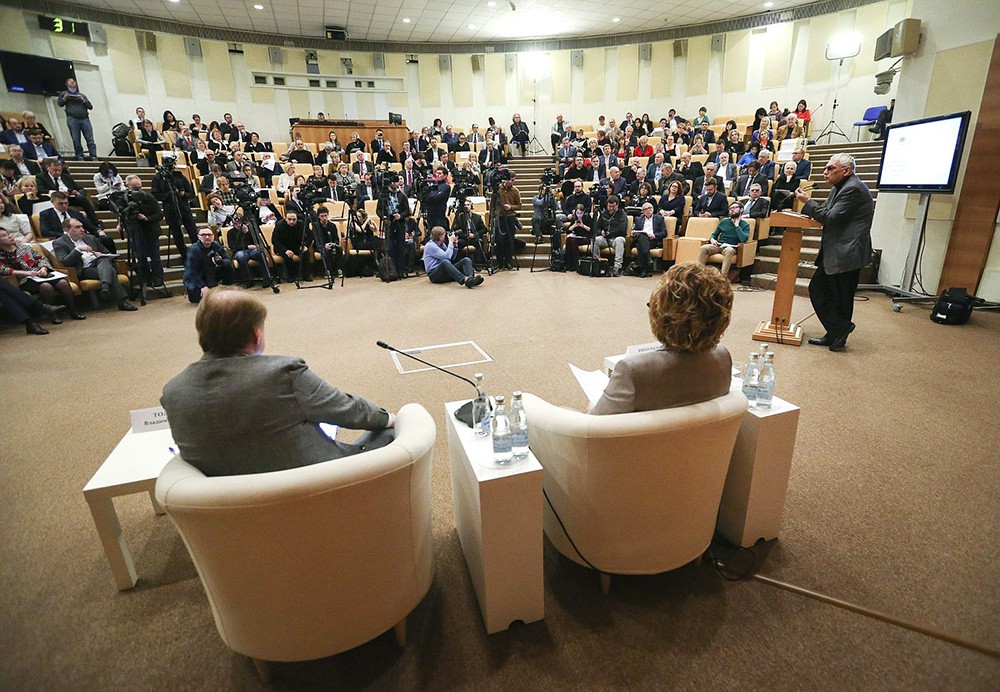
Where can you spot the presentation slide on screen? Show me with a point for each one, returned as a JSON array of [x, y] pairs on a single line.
[[920, 154]]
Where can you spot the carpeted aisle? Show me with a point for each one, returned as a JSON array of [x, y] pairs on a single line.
[[892, 503]]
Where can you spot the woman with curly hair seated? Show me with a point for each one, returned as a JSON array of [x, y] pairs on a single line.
[[689, 311]]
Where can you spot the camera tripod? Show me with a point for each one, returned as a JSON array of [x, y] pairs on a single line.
[[250, 218], [548, 222], [496, 232], [310, 224], [137, 277]]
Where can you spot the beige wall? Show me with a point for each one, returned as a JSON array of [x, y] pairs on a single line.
[[946, 75]]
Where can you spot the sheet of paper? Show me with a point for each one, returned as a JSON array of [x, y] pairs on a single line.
[[642, 348], [593, 382], [330, 430]]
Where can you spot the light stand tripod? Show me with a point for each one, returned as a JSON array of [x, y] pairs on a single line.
[[840, 54], [249, 218], [535, 147], [309, 226]]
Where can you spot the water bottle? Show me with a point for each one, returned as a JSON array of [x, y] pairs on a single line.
[[501, 435], [751, 377], [765, 386], [481, 409], [518, 428]]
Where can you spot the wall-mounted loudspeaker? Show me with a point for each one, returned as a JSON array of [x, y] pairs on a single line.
[[681, 48], [576, 57], [192, 47], [718, 43], [905, 38], [97, 35], [510, 62], [147, 41], [275, 56], [378, 61], [646, 51], [477, 63], [444, 63]]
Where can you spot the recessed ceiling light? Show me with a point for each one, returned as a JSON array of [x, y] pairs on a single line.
[[491, 4], [258, 7], [406, 20], [768, 5], [616, 19], [175, 1], [472, 26]]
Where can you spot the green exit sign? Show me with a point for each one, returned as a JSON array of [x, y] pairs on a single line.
[[60, 25]]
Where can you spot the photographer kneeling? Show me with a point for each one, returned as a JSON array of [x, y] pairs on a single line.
[[440, 263], [206, 266]]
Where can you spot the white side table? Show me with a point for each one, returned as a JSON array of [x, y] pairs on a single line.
[[754, 495], [132, 467], [498, 514]]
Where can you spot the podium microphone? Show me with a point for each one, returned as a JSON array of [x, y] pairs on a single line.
[[464, 413]]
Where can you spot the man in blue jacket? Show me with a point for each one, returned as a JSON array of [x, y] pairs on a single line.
[[440, 264], [206, 266]]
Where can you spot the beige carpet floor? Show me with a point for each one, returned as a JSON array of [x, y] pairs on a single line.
[[892, 504]]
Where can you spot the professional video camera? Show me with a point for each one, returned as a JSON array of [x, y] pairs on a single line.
[[550, 177], [125, 203], [244, 194], [464, 186], [387, 178], [167, 167], [500, 174], [311, 193]]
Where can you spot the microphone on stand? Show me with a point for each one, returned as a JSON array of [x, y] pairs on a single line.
[[464, 413]]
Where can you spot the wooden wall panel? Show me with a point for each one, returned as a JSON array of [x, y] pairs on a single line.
[[219, 70], [594, 77], [496, 80], [628, 74], [173, 65], [430, 81], [979, 201], [662, 84], [699, 55], [818, 68], [777, 55], [561, 75], [124, 53], [734, 74], [461, 80]]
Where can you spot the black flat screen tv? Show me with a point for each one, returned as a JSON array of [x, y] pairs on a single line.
[[33, 74], [923, 156]]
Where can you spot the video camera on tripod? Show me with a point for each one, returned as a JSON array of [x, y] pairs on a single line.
[[125, 203], [550, 177], [167, 167], [500, 174], [464, 187]]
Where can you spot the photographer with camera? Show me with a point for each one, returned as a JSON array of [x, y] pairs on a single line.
[[441, 265], [470, 230], [510, 203], [242, 244], [610, 229], [142, 215], [206, 266], [174, 191], [328, 236], [436, 200], [292, 246], [489, 158], [394, 209]]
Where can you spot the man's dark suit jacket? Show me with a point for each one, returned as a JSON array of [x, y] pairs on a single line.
[[376, 145], [692, 172], [10, 137], [846, 216], [301, 156], [759, 209], [742, 186], [48, 151], [46, 185], [51, 225], [497, 157], [356, 167], [659, 226], [65, 250], [32, 166], [402, 206], [718, 206]]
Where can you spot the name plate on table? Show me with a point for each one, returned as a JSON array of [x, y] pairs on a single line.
[[149, 419], [643, 348]]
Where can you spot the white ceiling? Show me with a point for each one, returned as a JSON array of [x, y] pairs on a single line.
[[443, 21]]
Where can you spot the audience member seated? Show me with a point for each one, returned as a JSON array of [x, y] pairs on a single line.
[[356, 144], [802, 113], [756, 206], [26, 310], [225, 191], [28, 189], [471, 231], [83, 252], [255, 145], [712, 203], [15, 132], [688, 169], [16, 224], [689, 311], [730, 232], [291, 244], [442, 264], [36, 149], [206, 266], [766, 164], [218, 213], [648, 232], [169, 122], [610, 230], [213, 180], [239, 135], [106, 181], [56, 178], [783, 194], [22, 165], [519, 134], [698, 188], [753, 175], [361, 164], [803, 166], [580, 231], [226, 127], [792, 129], [34, 273], [241, 243], [150, 141], [668, 174], [751, 155], [185, 141], [344, 176]]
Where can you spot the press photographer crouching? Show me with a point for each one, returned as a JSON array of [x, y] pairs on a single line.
[[292, 246], [441, 265], [470, 229], [206, 266], [240, 239], [328, 235]]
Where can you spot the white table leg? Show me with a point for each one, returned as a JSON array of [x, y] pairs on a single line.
[[102, 508], [157, 507]]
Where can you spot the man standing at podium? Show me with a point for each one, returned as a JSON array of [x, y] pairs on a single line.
[[846, 246]]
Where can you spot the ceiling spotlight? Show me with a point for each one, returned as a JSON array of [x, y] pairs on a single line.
[[768, 5], [616, 19], [406, 20], [175, 1], [258, 7]]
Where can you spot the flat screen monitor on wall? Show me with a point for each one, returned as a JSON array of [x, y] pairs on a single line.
[[923, 156], [33, 74]]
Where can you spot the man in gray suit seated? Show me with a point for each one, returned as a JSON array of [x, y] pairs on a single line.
[[237, 411]]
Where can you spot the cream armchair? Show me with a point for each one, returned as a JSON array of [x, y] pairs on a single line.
[[638, 493], [308, 562]]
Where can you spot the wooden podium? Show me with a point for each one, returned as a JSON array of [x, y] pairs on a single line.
[[779, 330]]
